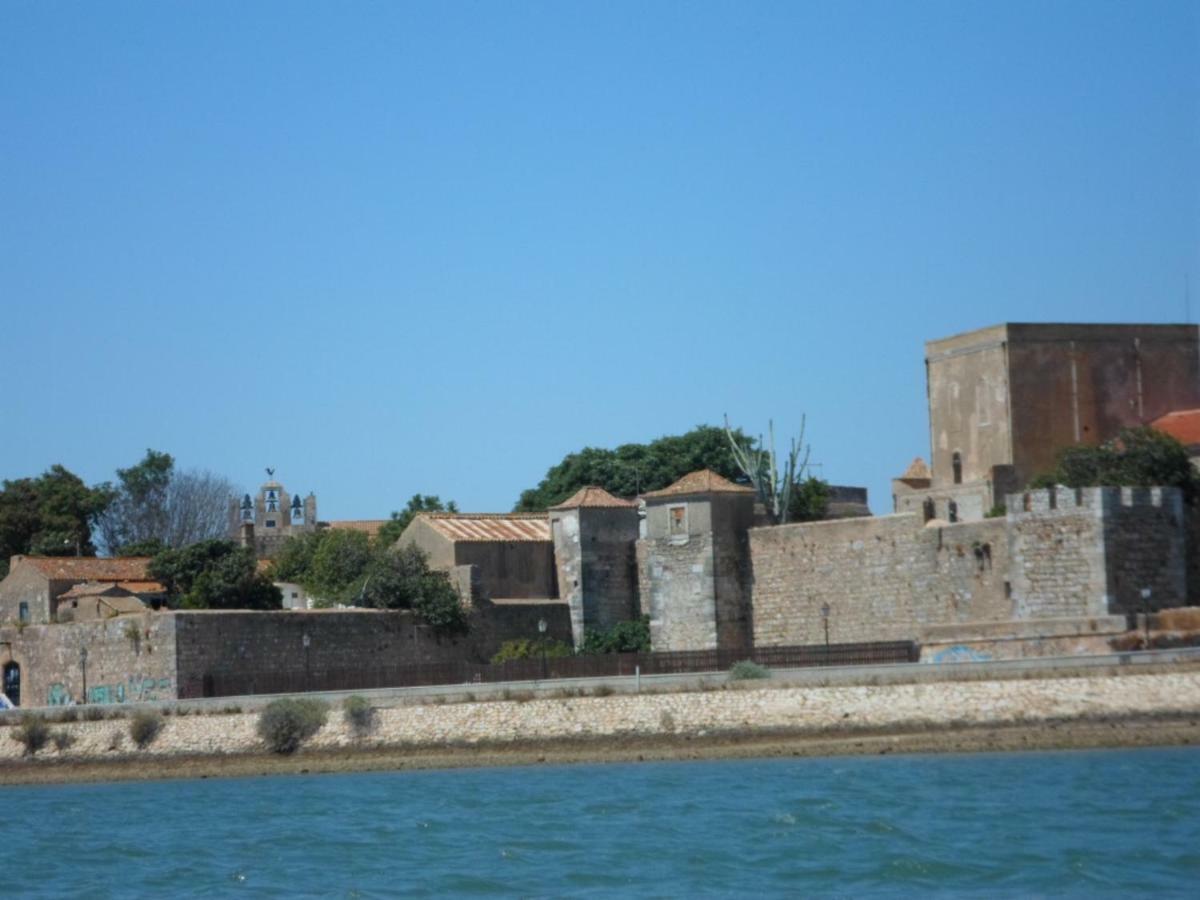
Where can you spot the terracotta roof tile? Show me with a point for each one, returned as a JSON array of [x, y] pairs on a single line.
[[1182, 424], [88, 568], [592, 497], [89, 589], [485, 527], [917, 471], [706, 481]]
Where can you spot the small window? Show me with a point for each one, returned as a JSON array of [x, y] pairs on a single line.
[[23, 612], [956, 462], [678, 519], [952, 511], [270, 523], [928, 509]]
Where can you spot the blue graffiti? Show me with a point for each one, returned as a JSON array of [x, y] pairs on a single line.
[[960, 653]]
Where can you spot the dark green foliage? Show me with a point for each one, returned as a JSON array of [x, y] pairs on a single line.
[[809, 501], [418, 503], [1138, 457], [93, 713], [62, 739], [359, 715], [338, 564], [747, 670], [294, 560], [632, 636], [531, 648], [633, 469], [214, 574], [286, 724], [402, 579], [151, 547], [999, 511], [33, 733], [50, 515], [144, 727]]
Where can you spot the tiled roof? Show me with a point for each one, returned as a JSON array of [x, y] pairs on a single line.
[[917, 471], [1183, 425], [489, 526], [592, 497], [706, 481], [124, 604], [370, 527], [88, 568], [142, 587], [89, 589]]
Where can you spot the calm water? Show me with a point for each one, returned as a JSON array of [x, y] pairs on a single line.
[[1081, 824]]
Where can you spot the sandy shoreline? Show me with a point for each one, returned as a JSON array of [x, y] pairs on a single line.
[[1073, 734]]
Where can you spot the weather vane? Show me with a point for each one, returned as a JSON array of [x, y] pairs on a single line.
[[270, 472]]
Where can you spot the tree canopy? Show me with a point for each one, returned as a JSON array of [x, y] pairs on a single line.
[[153, 501], [50, 515], [214, 574], [1137, 457], [633, 469]]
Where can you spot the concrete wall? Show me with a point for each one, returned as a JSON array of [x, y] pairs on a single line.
[[436, 546], [25, 584], [512, 569], [129, 659], [884, 578]]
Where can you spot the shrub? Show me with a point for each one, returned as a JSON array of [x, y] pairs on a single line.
[[66, 714], [525, 648], [144, 727], [93, 713], [33, 733], [359, 715], [286, 724], [632, 636], [746, 670], [602, 690], [62, 739]]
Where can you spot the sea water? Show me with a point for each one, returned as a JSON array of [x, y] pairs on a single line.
[[1084, 824]]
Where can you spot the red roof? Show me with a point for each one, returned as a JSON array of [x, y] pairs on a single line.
[[1183, 425], [88, 568], [592, 497], [706, 481]]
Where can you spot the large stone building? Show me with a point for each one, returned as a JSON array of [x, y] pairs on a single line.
[[1004, 400], [40, 589]]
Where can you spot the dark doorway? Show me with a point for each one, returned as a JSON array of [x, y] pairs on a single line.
[[12, 683]]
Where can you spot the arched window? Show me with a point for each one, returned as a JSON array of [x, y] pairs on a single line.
[[930, 512], [952, 511], [956, 461]]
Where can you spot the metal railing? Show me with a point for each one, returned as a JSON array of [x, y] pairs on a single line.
[[366, 677]]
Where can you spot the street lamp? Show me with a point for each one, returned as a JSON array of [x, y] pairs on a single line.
[[542, 626], [83, 670], [825, 619], [1146, 614]]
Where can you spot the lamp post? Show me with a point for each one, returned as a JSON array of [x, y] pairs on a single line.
[[825, 619], [83, 670], [542, 626], [1146, 614]]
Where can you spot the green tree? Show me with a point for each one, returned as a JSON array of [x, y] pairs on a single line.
[[402, 579], [400, 520], [214, 574], [50, 515], [339, 564], [1137, 457], [294, 560], [633, 469], [809, 500]]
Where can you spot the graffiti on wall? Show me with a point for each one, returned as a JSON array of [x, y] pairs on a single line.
[[135, 689], [59, 695], [960, 653]]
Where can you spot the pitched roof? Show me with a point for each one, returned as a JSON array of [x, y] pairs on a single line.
[[88, 568], [705, 481], [92, 589], [592, 497], [1182, 424], [370, 527], [483, 527], [917, 470]]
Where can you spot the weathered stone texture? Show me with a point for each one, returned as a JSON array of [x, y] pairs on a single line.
[[597, 568], [678, 591], [883, 578]]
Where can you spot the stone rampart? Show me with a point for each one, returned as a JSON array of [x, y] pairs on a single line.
[[883, 578]]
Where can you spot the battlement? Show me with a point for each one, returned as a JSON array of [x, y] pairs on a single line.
[[1099, 500]]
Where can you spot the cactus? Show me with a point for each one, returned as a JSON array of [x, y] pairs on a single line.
[[761, 465]]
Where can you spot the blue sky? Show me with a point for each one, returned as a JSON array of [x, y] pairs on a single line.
[[388, 248]]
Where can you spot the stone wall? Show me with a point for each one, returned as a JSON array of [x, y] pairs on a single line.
[[884, 578], [129, 659], [25, 584], [677, 591], [596, 565], [1145, 548], [516, 569]]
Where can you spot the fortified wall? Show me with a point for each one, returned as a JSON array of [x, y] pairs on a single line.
[[177, 655], [1058, 554]]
